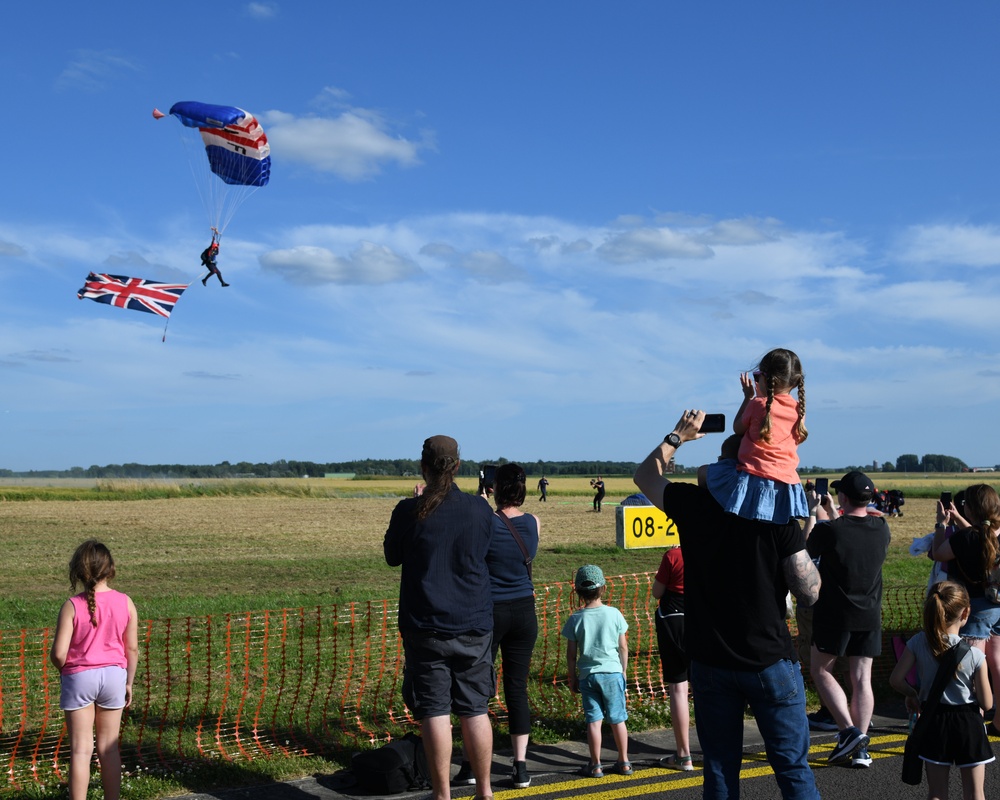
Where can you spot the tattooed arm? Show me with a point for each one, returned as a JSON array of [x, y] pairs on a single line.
[[802, 577]]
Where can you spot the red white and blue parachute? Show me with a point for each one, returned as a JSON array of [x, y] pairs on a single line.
[[239, 157]]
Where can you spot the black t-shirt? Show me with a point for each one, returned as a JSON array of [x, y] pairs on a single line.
[[851, 551], [734, 583], [967, 546]]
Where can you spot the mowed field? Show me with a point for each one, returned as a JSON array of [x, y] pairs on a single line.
[[184, 556]]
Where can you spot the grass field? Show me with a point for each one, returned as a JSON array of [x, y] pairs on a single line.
[[218, 547], [211, 547]]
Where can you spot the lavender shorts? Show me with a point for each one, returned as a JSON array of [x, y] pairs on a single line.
[[104, 686]]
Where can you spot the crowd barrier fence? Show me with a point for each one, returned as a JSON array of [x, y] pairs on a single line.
[[322, 681]]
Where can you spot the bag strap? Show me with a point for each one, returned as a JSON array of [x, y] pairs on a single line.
[[946, 671], [518, 539]]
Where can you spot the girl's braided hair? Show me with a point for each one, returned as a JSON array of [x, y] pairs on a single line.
[[782, 372], [91, 564]]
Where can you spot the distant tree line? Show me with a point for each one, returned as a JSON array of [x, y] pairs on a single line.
[[400, 467], [405, 467]]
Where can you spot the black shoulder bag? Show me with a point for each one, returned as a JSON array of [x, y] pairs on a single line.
[[913, 770], [518, 539]]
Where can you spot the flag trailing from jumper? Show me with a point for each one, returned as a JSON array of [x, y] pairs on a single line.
[[135, 293]]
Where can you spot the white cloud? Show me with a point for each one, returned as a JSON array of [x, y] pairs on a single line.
[[262, 10], [355, 145], [11, 249], [368, 264], [971, 245], [651, 244], [93, 70]]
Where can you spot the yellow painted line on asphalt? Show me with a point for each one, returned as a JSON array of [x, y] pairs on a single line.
[[612, 786]]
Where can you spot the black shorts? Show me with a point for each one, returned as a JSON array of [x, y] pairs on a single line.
[[670, 642], [448, 675], [837, 642]]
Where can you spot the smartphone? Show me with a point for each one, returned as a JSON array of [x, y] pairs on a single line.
[[946, 499], [487, 475], [713, 423], [822, 486]]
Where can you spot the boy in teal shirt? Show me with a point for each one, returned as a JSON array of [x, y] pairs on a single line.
[[597, 658]]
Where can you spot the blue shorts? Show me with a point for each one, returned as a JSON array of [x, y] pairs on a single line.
[[984, 620], [603, 696], [104, 686]]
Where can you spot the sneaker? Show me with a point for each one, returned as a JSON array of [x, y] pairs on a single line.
[[848, 740], [464, 776], [821, 720], [519, 774], [861, 758]]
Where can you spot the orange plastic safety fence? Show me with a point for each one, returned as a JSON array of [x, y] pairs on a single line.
[[324, 680]]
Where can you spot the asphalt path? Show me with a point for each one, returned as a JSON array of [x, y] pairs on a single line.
[[555, 773]]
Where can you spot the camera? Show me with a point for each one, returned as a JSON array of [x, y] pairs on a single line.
[[487, 477]]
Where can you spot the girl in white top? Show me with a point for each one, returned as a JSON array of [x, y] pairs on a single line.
[[957, 735]]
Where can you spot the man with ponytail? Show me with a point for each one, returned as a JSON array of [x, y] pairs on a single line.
[[440, 539]]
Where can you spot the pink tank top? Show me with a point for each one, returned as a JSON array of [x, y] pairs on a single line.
[[103, 646]]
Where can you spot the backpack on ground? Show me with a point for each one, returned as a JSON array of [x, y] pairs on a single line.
[[398, 766]]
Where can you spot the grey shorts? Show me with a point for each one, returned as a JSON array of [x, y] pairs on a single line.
[[104, 686], [448, 675]]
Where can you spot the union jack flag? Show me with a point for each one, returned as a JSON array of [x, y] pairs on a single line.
[[135, 293]]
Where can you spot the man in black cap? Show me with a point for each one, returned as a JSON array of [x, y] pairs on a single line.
[[847, 618]]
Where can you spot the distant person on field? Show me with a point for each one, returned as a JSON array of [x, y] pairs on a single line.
[[543, 488], [96, 649], [597, 661], [956, 735], [764, 484], [737, 572], [598, 486], [668, 588], [441, 539], [847, 618]]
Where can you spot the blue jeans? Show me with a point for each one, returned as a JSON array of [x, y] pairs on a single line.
[[777, 697]]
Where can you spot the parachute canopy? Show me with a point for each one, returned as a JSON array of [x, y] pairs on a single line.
[[239, 157], [235, 142]]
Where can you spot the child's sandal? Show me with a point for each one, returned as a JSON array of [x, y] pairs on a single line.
[[593, 771], [623, 767]]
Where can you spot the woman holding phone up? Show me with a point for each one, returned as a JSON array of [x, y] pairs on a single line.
[[973, 553]]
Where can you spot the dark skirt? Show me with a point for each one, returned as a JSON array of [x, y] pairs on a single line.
[[956, 735]]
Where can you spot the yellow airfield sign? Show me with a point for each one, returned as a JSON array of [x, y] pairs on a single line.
[[644, 526]]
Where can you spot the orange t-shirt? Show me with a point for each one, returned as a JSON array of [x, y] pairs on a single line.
[[778, 458]]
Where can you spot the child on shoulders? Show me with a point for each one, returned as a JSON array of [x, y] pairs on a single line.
[[763, 482]]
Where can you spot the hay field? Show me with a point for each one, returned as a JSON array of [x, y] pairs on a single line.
[[196, 555]]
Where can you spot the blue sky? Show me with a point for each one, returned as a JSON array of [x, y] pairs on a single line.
[[545, 228]]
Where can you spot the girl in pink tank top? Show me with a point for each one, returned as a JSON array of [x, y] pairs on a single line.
[[96, 648]]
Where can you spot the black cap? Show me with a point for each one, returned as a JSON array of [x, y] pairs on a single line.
[[857, 486]]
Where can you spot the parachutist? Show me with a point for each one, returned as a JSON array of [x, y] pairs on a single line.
[[208, 260]]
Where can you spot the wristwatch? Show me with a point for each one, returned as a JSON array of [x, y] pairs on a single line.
[[673, 440]]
